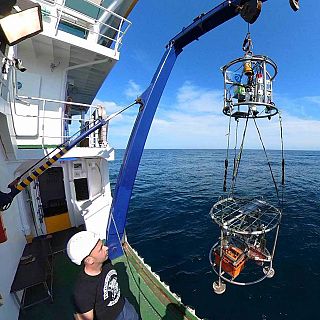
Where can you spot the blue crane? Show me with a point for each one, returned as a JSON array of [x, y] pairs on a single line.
[[249, 10]]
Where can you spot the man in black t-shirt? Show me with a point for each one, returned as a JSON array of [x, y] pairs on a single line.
[[97, 293]]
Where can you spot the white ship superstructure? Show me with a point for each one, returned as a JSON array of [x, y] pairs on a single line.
[[43, 106]]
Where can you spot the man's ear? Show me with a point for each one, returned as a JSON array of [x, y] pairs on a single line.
[[89, 260]]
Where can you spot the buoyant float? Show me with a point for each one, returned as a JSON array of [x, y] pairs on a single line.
[[249, 227]]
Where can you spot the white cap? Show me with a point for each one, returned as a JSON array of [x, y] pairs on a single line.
[[80, 245]]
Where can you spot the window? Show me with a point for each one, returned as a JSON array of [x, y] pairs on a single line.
[[81, 188], [72, 29]]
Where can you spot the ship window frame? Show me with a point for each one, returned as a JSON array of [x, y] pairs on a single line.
[[81, 188]]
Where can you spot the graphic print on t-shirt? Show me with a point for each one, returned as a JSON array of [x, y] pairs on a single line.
[[111, 288]]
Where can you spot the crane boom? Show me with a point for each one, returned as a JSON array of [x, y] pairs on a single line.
[[249, 10]]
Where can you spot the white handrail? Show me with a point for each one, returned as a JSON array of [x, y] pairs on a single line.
[[58, 101], [62, 9], [91, 116]]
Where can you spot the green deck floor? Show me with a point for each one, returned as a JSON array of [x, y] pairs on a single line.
[[148, 295]]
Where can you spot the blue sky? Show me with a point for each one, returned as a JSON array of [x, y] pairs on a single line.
[[189, 114]]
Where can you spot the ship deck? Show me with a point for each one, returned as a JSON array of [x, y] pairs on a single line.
[[151, 298]]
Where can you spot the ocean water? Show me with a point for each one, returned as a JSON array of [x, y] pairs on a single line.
[[169, 225]]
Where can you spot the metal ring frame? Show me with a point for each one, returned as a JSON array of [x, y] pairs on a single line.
[[234, 215], [253, 58], [246, 109], [272, 110], [213, 264]]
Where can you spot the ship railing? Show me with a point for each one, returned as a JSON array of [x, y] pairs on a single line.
[[52, 122], [99, 25]]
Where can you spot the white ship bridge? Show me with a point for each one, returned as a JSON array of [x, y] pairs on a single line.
[[66, 65], [47, 86]]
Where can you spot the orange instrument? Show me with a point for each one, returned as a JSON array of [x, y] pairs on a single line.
[[233, 260]]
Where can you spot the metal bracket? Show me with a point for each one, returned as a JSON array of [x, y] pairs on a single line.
[[141, 103], [294, 4], [250, 10]]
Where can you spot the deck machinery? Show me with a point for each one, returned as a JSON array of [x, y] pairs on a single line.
[[243, 255]]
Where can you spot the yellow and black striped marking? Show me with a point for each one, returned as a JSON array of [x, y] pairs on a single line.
[[36, 173]]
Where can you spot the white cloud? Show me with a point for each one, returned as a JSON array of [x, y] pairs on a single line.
[[109, 106], [313, 99], [181, 130], [301, 107], [133, 90], [191, 98], [195, 120], [301, 133]]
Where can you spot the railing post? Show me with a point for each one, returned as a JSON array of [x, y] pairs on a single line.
[[59, 15], [116, 47], [43, 105]]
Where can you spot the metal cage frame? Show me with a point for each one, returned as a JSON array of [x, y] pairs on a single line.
[[259, 102]]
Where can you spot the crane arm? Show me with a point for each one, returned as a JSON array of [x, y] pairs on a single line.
[[249, 10]]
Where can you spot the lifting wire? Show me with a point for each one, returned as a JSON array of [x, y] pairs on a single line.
[[236, 142], [238, 159], [282, 150], [268, 161], [247, 48], [282, 162], [226, 161], [282, 184]]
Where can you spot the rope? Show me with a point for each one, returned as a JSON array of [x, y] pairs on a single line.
[[282, 149], [237, 161], [236, 145], [269, 164], [235, 148], [282, 162], [282, 189], [227, 156]]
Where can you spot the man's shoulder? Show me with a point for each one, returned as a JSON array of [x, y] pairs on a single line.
[[84, 293], [84, 280]]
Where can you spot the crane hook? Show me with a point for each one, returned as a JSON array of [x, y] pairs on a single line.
[[294, 4]]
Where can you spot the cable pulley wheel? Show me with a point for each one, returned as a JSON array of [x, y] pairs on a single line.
[[250, 10]]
